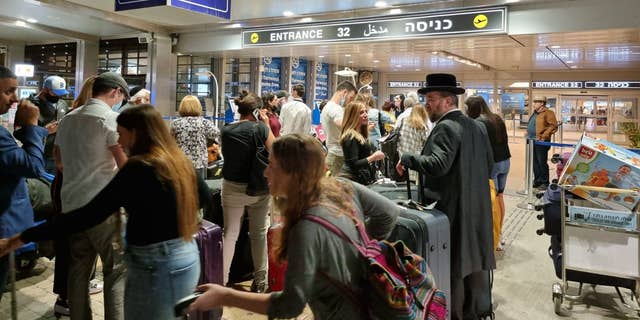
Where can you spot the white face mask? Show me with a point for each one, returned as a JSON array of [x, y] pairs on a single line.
[[117, 106]]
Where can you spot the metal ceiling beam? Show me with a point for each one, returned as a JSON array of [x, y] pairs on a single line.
[[111, 17], [11, 22]]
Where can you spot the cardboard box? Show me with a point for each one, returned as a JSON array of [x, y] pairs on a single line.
[[599, 163]]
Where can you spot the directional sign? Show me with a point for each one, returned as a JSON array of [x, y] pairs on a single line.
[[478, 21], [612, 84], [122, 5], [218, 8]]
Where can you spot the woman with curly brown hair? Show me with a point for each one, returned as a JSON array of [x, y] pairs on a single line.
[[316, 258]]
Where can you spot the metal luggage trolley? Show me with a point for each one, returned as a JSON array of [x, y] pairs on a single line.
[[599, 247]]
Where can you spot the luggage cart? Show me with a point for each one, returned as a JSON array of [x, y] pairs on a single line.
[[606, 253]]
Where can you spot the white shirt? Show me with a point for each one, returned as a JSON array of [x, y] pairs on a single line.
[[84, 137], [331, 113], [295, 117]]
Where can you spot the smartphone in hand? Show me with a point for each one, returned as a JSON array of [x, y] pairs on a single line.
[[256, 114]]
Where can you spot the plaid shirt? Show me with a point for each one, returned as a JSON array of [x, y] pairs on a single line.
[[412, 141]]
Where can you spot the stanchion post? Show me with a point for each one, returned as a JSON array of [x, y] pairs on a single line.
[[528, 189], [12, 281], [527, 165]]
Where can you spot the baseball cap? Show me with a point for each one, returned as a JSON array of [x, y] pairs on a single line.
[[57, 85], [114, 80]]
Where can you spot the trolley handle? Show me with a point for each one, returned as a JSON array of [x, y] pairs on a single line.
[[600, 189]]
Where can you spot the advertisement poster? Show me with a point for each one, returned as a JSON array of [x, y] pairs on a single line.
[[298, 71], [271, 74], [322, 81], [513, 105]]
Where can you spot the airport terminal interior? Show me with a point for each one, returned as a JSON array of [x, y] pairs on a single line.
[[582, 55]]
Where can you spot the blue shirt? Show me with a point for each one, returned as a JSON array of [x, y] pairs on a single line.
[[531, 127], [16, 213]]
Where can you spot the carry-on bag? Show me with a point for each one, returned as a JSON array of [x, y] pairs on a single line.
[[209, 241], [426, 233], [277, 269]]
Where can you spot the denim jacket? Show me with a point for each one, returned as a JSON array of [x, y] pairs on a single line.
[[16, 164]]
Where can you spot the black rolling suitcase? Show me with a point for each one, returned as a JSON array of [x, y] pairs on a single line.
[[425, 232]]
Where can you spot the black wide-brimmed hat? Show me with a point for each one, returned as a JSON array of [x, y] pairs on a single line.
[[441, 82]]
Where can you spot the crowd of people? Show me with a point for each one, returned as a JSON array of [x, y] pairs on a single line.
[[116, 158]]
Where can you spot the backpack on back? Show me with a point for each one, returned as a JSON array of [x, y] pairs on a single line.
[[400, 284]]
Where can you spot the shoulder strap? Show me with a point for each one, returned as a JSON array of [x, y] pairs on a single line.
[[367, 250]]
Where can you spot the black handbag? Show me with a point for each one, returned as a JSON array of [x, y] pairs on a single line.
[[257, 182], [383, 131], [390, 149]]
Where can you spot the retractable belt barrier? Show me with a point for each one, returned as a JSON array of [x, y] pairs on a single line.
[[564, 145], [206, 117]]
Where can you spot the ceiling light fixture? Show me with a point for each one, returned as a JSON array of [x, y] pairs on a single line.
[[448, 55], [235, 25], [570, 61], [395, 11], [347, 55], [381, 4], [287, 13], [519, 84], [555, 47], [32, 20], [320, 56], [347, 72], [573, 67], [306, 19], [376, 61], [21, 23]]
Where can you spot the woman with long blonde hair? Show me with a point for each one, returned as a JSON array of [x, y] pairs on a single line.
[[358, 151], [157, 186], [85, 93], [413, 133], [317, 259]]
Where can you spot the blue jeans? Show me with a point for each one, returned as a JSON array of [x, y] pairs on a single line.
[[540, 165], [158, 276]]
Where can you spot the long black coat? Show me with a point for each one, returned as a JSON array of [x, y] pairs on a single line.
[[456, 162]]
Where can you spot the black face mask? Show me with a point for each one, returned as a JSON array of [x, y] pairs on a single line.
[[52, 99]]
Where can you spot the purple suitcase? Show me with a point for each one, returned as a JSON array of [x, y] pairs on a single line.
[[209, 240]]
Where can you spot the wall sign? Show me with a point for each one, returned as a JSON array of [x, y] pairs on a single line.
[[612, 84], [298, 71], [411, 84], [600, 84], [557, 84], [489, 20], [218, 8], [322, 81], [271, 74]]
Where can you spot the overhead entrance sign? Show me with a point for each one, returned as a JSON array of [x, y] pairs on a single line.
[[600, 84], [479, 21], [218, 8]]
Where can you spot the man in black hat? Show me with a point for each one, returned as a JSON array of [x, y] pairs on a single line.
[[455, 164]]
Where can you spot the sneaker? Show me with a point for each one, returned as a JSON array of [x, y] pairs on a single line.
[[95, 286], [61, 308], [259, 284]]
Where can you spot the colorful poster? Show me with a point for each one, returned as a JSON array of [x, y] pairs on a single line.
[[298, 71], [271, 74], [322, 81]]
